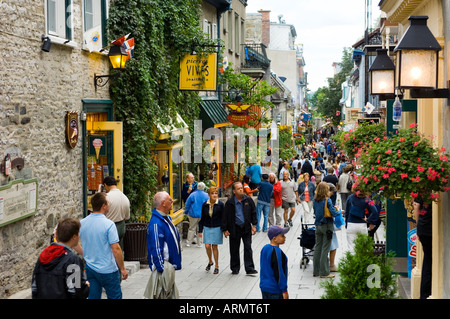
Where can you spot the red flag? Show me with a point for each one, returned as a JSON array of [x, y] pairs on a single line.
[[121, 40]]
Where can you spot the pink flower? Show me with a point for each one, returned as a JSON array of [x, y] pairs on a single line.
[[376, 139], [389, 151], [413, 125], [414, 195], [420, 168], [382, 188], [390, 170], [385, 175], [434, 196], [415, 179], [442, 150], [415, 143], [403, 175], [402, 139]]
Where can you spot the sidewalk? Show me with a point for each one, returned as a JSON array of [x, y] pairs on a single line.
[[195, 283]]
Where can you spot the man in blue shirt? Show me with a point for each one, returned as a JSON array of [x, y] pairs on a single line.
[[255, 173], [263, 203], [101, 251], [239, 222]]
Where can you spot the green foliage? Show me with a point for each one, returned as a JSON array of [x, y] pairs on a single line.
[[147, 90], [355, 142], [326, 99], [363, 275], [254, 92], [405, 165], [286, 143]]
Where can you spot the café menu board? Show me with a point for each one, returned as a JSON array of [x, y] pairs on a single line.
[[18, 200]]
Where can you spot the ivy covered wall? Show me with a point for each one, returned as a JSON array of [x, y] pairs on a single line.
[[147, 91]]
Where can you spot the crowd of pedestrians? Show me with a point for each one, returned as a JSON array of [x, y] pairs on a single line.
[[318, 179]]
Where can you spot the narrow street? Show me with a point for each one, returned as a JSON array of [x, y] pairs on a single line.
[[195, 283]]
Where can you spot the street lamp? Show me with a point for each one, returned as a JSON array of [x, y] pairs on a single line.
[[418, 61], [382, 74], [118, 57]]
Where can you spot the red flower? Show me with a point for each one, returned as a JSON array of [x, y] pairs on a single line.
[[414, 195], [413, 125], [420, 168], [403, 175], [389, 151]]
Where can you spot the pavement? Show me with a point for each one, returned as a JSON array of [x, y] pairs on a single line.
[[194, 282]]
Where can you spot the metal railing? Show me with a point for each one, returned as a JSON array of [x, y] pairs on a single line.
[[255, 56]]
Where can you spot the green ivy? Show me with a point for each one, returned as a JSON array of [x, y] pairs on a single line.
[[147, 90]]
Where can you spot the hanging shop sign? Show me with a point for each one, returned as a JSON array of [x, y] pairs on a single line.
[[72, 129], [198, 72], [239, 114]]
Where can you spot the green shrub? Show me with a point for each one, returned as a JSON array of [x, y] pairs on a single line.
[[363, 275]]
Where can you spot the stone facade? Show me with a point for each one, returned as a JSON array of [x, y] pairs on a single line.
[[37, 88]]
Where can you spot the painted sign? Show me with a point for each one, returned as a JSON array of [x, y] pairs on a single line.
[[198, 72], [239, 114], [72, 130], [18, 200]]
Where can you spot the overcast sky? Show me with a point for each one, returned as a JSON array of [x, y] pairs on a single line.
[[324, 27]]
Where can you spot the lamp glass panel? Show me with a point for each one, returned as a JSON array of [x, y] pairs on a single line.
[[117, 61], [382, 82], [418, 69]]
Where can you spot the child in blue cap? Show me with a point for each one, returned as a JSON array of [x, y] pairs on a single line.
[[274, 270]]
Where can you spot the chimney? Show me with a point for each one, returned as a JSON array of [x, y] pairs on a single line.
[[265, 26]]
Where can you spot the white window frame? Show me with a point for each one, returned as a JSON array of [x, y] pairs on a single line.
[[63, 23], [97, 20]]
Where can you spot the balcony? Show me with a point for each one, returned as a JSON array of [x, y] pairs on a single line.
[[255, 61]]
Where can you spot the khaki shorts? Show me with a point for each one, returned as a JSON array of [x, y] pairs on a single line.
[[286, 204]]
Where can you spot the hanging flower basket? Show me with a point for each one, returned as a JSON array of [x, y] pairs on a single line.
[[405, 166], [355, 142]]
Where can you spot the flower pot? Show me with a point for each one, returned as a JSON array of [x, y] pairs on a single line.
[[135, 242]]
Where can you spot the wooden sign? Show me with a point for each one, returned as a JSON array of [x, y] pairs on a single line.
[[239, 114], [198, 72], [18, 200], [72, 129]]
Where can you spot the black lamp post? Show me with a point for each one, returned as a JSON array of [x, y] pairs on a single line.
[[118, 57], [382, 75], [418, 61]]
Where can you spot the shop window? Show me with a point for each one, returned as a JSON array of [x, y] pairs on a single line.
[[170, 184]]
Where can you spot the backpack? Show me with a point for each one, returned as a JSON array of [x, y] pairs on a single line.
[[349, 183]]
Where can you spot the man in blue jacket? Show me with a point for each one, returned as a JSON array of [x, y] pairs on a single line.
[[163, 239], [193, 209], [263, 202]]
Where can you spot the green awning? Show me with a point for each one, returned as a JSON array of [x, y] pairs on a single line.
[[212, 113]]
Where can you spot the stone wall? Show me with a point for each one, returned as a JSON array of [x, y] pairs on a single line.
[[37, 88]]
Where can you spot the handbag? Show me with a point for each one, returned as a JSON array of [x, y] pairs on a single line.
[[327, 213], [349, 183]]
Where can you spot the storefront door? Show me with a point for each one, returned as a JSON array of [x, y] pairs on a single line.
[[103, 148]]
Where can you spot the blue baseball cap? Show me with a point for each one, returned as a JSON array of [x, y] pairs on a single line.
[[276, 230]]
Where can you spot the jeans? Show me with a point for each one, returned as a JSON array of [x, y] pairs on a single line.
[[265, 209], [111, 283]]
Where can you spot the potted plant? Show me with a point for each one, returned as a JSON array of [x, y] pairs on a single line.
[[355, 142], [404, 166]]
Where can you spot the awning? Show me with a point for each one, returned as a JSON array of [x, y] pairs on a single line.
[[212, 113], [165, 130]]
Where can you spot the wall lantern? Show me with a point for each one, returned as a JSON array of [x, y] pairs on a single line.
[[382, 75], [46, 43], [418, 61], [118, 57]]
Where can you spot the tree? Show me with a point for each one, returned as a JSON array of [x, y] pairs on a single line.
[[326, 99]]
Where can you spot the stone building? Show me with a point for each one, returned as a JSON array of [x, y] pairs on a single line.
[[37, 89]]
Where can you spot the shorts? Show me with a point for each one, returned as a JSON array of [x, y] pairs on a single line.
[[286, 204]]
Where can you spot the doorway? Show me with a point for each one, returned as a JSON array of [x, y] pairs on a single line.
[[102, 148]]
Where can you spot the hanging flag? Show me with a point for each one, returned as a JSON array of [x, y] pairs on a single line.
[[129, 47], [121, 40], [93, 39]]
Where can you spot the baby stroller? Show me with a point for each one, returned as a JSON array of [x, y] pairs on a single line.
[[307, 242]]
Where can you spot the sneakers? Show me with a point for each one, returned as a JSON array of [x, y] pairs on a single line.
[[290, 222]]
